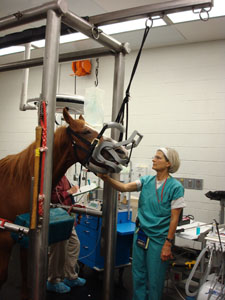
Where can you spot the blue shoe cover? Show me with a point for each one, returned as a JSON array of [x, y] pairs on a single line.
[[75, 282], [58, 287]]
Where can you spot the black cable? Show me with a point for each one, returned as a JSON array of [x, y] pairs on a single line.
[[120, 116], [79, 178], [218, 233]]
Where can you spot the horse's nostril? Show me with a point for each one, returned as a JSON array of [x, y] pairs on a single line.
[[122, 152]]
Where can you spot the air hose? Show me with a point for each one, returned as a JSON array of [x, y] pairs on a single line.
[[187, 291]]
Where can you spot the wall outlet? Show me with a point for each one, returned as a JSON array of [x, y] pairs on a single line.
[[198, 184], [189, 183]]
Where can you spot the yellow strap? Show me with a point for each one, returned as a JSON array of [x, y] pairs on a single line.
[[37, 152]]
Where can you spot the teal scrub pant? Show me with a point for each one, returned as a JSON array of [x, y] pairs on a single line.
[[148, 270]]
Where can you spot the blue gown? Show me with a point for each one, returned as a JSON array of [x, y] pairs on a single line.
[[148, 270]]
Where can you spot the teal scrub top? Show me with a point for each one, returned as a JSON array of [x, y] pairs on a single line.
[[154, 216]]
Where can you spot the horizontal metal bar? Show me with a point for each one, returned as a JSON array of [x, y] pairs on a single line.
[[33, 14], [15, 228], [22, 64], [85, 211], [146, 11], [81, 25], [29, 63], [84, 54]]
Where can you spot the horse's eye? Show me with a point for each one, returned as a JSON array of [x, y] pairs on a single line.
[[87, 132]]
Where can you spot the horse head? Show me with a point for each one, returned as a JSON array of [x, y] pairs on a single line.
[[97, 153]]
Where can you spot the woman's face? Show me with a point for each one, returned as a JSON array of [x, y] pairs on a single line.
[[160, 163]]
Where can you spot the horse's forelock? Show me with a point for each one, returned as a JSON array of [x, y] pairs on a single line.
[[77, 125]]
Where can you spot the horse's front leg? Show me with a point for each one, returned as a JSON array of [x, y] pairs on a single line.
[[6, 244]]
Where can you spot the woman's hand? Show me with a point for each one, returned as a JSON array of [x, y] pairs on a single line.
[[74, 189], [117, 185], [166, 252], [103, 176]]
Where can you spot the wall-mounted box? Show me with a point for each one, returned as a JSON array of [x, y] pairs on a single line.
[[191, 183]]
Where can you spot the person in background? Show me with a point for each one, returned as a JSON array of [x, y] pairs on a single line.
[[160, 203], [63, 255]]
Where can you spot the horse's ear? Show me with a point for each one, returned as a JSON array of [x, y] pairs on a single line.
[[81, 117], [67, 116]]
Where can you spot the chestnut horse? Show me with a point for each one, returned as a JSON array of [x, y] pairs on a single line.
[[17, 170]]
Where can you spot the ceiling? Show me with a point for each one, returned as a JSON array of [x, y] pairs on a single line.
[[189, 32]]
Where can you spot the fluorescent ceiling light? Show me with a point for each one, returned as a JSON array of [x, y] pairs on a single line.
[[39, 44], [129, 26], [184, 16], [77, 36], [11, 50], [217, 10]]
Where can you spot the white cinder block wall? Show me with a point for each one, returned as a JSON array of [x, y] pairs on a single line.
[[177, 100]]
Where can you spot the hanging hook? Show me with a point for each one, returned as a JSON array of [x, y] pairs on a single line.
[[203, 13], [96, 72], [95, 31], [151, 22], [18, 15]]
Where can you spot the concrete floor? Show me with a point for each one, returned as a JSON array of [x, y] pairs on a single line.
[[93, 290]]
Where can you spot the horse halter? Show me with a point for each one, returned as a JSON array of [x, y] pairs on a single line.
[[110, 146]]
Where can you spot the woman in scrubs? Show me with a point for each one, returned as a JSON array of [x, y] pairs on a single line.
[[160, 203]]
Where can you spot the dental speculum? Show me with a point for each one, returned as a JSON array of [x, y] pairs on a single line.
[[111, 146]]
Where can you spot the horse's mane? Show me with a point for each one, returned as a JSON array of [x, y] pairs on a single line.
[[18, 167], [61, 157], [60, 139]]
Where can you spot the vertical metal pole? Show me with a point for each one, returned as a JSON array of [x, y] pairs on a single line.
[[49, 81], [110, 199], [23, 99], [222, 205]]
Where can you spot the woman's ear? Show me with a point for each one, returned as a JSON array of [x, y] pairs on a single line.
[[168, 164]]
